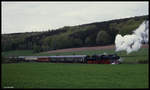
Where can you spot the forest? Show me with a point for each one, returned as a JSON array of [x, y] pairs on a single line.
[[91, 34]]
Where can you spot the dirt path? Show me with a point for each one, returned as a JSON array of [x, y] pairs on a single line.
[[89, 48]]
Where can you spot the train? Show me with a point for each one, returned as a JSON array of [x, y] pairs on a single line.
[[85, 59]]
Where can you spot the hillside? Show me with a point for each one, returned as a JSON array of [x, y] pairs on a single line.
[[109, 47], [86, 35]]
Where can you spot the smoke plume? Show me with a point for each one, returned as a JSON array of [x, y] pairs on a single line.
[[134, 41]]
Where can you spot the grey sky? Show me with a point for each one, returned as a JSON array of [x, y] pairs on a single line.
[[40, 16]]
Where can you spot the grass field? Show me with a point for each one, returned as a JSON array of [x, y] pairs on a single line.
[[52, 75], [18, 53]]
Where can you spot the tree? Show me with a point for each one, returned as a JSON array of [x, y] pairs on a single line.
[[46, 43], [64, 41], [88, 41], [76, 42], [103, 38], [36, 48]]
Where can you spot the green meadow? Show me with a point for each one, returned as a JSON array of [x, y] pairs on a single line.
[[60, 75]]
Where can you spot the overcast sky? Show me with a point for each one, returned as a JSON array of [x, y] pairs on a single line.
[[40, 16]]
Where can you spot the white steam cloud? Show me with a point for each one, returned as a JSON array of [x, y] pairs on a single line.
[[133, 42]]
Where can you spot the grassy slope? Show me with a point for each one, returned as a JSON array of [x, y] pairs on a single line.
[[50, 75]]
